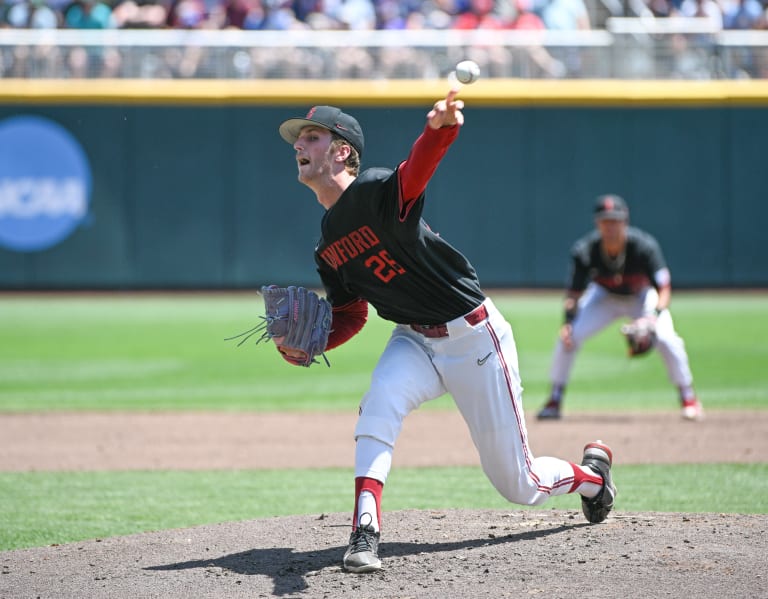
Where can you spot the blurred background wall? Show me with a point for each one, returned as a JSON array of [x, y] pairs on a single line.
[[203, 194]]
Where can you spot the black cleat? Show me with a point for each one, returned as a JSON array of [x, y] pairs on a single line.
[[551, 411], [598, 458], [362, 555]]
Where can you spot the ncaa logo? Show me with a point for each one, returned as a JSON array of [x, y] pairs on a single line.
[[45, 183]]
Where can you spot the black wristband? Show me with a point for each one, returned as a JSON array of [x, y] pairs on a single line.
[[570, 316], [658, 311]]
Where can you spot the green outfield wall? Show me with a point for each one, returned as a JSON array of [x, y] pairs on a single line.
[[190, 185]]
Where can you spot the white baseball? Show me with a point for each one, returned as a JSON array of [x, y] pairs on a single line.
[[467, 71]]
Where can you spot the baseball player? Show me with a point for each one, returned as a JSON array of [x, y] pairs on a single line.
[[618, 271], [376, 249]]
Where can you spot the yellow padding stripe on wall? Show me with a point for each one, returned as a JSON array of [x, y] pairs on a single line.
[[489, 92]]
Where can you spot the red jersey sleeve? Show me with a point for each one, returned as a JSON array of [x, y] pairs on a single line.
[[426, 153], [347, 322]]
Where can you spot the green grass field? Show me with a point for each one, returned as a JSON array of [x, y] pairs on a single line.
[[140, 352], [167, 352]]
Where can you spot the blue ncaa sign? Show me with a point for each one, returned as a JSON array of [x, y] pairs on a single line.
[[45, 183]]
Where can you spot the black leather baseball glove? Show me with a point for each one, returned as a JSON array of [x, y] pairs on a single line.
[[640, 335], [297, 320]]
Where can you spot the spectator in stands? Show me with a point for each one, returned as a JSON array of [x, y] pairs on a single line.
[[357, 15], [480, 15], [743, 14], [186, 14], [398, 62], [692, 52], [130, 14], [434, 15], [238, 14], [705, 9], [91, 61], [525, 18], [545, 63], [654, 8], [390, 14], [566, 15], [494, 59], [280, 16], [32, 14], [36, 61], [88, 14], [303, 8]]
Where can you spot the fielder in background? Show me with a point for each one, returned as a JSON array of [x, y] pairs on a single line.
[[376, 249], [618, 271]]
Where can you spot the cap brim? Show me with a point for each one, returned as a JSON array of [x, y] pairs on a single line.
[[611, 215], [291, 128]]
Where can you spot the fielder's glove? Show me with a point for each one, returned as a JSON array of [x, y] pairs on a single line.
[[298, 320], [640, 335]]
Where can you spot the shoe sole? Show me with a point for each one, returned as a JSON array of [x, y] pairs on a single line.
[[589, 514], [363, 569], [693, 414], [548, 416], [598, 451]]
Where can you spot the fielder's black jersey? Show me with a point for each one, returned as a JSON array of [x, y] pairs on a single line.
[[625, 274], [369, 249]]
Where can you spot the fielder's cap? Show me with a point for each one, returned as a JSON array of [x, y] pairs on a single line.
[[611, 207], [327, 117]]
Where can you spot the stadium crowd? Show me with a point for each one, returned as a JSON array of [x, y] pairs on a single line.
[[531, 60], [360, 14]]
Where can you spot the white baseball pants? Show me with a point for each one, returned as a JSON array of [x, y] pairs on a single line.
[[478, 366], [598, 308]]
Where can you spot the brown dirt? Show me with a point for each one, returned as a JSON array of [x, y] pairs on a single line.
[[212, 440], [445, 553]]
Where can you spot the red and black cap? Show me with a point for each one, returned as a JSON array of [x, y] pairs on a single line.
[[611, 207], [327, 117]]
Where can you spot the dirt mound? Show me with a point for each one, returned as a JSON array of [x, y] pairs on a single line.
[[426, 554]]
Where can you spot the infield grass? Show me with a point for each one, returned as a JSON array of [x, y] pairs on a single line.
[[151, 352], [44, 508], [167, 352]]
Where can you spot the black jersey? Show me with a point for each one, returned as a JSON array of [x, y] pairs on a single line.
[[369, 249], [626, 274]]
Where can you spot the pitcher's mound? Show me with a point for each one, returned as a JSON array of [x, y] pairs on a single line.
[[426, 554]]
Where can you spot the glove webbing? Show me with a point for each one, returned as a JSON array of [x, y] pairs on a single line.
[[263, 328], [267, 324]]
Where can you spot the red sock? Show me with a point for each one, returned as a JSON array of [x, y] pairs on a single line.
[[375, 488], [580, 477]]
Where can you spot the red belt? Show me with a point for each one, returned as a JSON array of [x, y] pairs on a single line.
[[434, 331]]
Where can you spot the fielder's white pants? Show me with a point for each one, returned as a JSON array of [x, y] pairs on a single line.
[[598, 308], [478, 366]]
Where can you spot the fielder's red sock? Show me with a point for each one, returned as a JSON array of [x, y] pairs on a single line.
[[375, 488], [585, 481]]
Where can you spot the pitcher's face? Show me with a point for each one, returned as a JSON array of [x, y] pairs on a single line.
[[313, 153]]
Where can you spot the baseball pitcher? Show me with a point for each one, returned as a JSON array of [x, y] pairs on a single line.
[[448, 337]]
